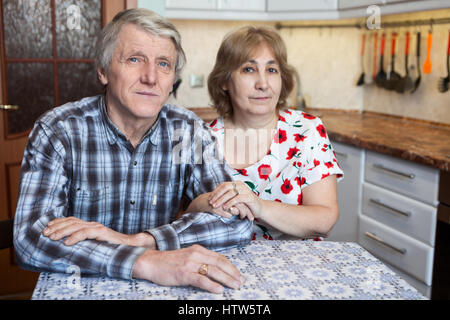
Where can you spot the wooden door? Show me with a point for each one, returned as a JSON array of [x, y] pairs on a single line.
[[46, 60]]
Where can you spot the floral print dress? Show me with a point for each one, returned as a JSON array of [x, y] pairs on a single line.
[[300, 154]]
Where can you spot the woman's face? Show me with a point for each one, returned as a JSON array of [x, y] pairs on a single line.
[[255, 86]]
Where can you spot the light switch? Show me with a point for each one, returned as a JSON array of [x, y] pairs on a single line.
[[196, 80]]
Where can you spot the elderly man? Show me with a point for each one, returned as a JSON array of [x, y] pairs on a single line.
[[100, 188]]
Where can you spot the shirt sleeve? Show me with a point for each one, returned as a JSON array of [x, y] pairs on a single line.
[[207, 170], [321, 161], [43, 196], [203, 228]]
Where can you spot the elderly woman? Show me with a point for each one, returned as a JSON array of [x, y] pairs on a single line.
[[284, 167]]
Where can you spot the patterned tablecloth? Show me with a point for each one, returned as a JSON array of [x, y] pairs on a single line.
[[273, 270]]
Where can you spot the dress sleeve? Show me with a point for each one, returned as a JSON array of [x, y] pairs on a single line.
[[321, 161], [43, 196]]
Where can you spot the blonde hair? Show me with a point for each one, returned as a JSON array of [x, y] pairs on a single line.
[[236, 48]]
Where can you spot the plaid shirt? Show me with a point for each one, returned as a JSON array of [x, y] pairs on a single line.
[[77, 163]]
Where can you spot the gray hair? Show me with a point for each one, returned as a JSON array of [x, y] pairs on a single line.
[[143, 18]]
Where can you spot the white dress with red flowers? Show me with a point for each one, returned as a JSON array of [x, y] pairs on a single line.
[[300, 154]]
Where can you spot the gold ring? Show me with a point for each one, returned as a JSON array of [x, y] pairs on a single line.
[[203, 270]]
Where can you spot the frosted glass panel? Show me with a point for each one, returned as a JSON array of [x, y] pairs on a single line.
[[77, 25], [76, 81], [30, 86], [28, 28]]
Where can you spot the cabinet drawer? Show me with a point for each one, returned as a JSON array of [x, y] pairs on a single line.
[[406, 215], [406, 253], [405, 177]]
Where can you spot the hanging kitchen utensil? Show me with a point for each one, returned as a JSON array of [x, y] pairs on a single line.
[[381, 75], [444, 82], [417, 82], [361, 77], [393, 78], [374, 67], [427, 63], [406, 83]]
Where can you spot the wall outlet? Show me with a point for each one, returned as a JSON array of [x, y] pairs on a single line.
[[196, 80]]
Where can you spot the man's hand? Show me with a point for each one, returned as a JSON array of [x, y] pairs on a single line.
[[77, 230], [181, 267]]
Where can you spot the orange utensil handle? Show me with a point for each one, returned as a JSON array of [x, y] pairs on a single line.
[[429, 42], [407, 44], [448, 49], [394, 35], [383, 40]]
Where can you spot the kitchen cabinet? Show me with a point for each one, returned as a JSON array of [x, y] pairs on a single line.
[[216, 9], [192, 4], [399, 213], [301, 5], [351, 161], [248, 5], [287, 10]]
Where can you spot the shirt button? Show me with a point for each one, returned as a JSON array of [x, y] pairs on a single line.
[[135, 163], [132, 202]]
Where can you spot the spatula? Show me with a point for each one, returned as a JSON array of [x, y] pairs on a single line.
[[393, 77], [381, 75], [406, 83]]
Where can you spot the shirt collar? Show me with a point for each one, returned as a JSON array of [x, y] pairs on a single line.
[[112, 132]]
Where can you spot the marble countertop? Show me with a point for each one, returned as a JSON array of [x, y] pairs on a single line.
[[274, 270], [419, 141]]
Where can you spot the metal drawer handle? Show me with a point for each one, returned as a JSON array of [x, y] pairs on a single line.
[[374, 237], [340, 154], [8, 107], [381, 204], [405, 175]]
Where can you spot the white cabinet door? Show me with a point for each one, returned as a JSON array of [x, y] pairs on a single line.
[[351, 161], [191, 4], [248, 5], [350, 4], [301, 5]]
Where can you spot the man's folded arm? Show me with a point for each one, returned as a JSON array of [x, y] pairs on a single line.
[[203, 228], [42, 198]]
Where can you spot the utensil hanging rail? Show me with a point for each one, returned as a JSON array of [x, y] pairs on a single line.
[[393, 24]]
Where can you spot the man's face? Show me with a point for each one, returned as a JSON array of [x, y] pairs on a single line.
[[140, 76]]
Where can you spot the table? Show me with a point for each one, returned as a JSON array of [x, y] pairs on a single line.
[[273, 270]]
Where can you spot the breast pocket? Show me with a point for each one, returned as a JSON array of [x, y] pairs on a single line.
[[162, 202], [91, 204]]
